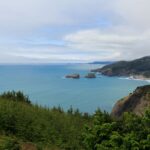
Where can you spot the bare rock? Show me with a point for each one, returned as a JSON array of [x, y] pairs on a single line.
[[73, 76], [90, 75], [136, 102]]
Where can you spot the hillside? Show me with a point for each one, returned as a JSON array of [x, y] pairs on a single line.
[[136, 102], [24, 126], [139, 68]]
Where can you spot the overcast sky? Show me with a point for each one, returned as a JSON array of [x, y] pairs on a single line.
[[45, 31]]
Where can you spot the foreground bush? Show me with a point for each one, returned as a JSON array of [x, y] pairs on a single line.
[[131, 132]]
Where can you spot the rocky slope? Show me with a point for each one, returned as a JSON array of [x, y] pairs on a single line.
[[136, 102], [139, 68]]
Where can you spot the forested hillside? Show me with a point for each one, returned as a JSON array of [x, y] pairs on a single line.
[[45, 128], [24, 126], [139, 67]]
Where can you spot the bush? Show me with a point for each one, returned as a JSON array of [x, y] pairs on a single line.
[[130, 132], [11, 144], [15, 96]]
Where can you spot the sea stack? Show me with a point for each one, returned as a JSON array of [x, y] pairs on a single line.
[[73, 76], [90, 75]]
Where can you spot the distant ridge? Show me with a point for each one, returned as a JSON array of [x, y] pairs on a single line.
[[102, 62], [139, 68]]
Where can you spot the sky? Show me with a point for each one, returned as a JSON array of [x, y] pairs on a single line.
[[55, 31]]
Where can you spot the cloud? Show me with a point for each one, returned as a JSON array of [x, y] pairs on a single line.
[[27, 15], [73, 30], [110, 44], [135, 13]]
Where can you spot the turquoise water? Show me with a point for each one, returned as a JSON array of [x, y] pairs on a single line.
[[46, 86]]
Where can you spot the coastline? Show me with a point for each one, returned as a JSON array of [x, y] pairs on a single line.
[[129, 77], [136, 77]]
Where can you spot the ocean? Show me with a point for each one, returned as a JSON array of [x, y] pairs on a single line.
[[47, 86]]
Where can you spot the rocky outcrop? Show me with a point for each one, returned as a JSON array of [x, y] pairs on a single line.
[[90, 75], [73, 76], [136, 102]]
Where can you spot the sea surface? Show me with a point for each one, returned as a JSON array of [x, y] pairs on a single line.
[[46, 86]]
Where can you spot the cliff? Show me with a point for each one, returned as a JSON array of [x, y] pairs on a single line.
[[136, 102]]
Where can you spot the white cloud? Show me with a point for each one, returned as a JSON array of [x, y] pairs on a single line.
[[27, 15], [125, 35], [111, 44], [135, 13]]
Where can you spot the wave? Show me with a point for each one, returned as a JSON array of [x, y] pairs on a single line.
[[131, 78]]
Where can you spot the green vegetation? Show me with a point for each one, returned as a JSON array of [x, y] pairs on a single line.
[[131, 132], [24, 126], [42, 126], [15, 96]]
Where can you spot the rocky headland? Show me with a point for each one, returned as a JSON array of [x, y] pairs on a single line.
[[136, 102], [136, 69]]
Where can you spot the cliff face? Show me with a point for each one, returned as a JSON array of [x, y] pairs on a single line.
[[136, 102], [139, 67]]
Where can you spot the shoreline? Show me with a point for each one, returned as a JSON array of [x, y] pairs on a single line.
[[131, 77], [136, 77]]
